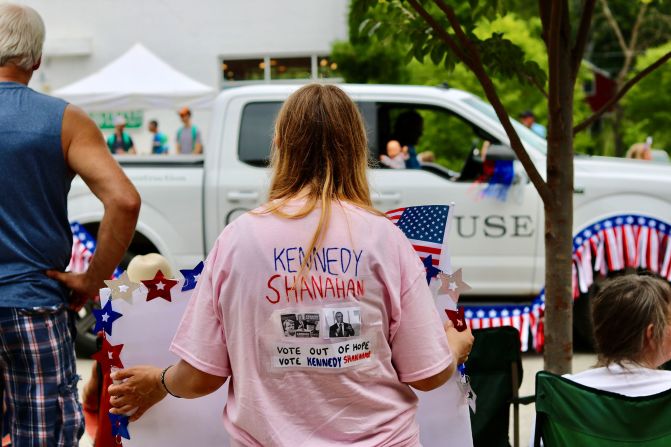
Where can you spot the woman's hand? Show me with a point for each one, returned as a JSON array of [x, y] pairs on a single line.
[[460, 343], [141, 389]]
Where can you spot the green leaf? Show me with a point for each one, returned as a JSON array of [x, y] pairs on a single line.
[[418, 51], [363, 25], [437, 53]]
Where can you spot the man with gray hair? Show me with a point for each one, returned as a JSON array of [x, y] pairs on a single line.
[[44, 143]]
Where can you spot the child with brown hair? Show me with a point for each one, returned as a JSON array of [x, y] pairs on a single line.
[[632, 333]]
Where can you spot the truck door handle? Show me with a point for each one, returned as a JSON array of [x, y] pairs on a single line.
[[242, 196], [386, 197]]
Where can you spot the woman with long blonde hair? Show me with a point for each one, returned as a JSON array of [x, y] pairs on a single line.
[[315, 303]]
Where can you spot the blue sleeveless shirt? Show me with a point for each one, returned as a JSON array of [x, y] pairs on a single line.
[[34, 183]]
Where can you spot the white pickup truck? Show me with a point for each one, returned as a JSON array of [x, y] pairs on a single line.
[[187, 200]]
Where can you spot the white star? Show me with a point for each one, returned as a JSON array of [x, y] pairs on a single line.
[[110, 355], [453, 286], [105, 317], [123, 288], [196, 277], [160, 286]]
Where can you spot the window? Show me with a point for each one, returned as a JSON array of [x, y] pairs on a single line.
[[446, 144], [243, 69], [277, 68], [327, 68], [256, 130], [291, 68]]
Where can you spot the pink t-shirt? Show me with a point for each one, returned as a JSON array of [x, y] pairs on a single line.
[[324, 362]]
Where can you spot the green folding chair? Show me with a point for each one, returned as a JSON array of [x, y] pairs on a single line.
[[570, 414], [495, 369]]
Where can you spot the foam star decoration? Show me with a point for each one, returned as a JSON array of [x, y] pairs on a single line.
[[457, 318], [109, 356], [431, 271], [105, 318], [122, 288], [159, 287], [119, 425], [191, 277], [452, 285]]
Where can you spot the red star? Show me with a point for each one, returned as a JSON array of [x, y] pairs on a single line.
[[108, 356], [159, 287], [457, 318]]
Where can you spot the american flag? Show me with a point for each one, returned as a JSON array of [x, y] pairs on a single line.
[[425, 227], [83, 247]]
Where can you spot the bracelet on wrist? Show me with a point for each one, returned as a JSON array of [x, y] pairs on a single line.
[[165, 387]]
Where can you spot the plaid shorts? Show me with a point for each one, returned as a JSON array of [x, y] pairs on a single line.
[[37, 361]]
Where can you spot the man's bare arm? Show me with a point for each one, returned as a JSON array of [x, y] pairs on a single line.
[[87, 155]]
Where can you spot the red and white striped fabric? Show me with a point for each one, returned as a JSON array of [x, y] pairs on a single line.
[[606, 246], [83, 246]]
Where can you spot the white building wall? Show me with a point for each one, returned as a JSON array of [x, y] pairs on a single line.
[[191, 35]]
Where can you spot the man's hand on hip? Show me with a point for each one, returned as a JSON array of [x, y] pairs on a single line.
[[81, 285]]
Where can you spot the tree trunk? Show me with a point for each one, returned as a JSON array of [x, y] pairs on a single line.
[[558, 322]]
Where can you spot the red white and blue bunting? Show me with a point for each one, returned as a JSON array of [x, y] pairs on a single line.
[[609, 245]]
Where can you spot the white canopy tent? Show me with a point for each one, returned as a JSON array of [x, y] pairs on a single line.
[[137, 80]]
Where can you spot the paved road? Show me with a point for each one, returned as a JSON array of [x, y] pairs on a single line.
[[531, 364]]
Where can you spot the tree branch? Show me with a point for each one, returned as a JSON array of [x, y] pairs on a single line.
[[456, 26], [475, 64], [544, 13], [449, 41], [578, 49], [613, 24], [625, 88], [633, 41], [468, 44], [538, 86]]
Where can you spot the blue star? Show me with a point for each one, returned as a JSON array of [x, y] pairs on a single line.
[[431, 271], [191, 277], [105, 317], [119, 425]]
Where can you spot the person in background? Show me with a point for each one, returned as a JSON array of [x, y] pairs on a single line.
[[396, 155], [408, 129], [426, 157], [45, 142], [632, 334], [159, 142], [319, 197], [529, 120], [189, 140], [639, 151], [120, 142]]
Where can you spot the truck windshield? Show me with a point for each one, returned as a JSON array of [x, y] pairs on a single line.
[[527, 136]]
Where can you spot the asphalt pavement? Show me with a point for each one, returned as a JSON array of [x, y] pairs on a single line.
[[531, 363]]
